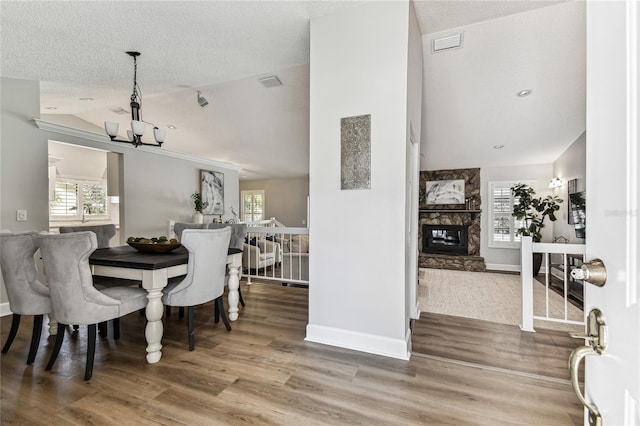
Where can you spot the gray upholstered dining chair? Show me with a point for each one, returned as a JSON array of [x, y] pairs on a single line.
[[205, 277], [104, 233], [74, 298], [238, 233], [27, 295]]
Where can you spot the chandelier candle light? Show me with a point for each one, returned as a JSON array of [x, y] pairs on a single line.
[[137, 124]]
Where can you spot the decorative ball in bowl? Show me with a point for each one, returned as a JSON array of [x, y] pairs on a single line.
[[153, 245]]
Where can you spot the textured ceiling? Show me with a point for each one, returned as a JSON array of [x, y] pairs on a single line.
[[76, 49]]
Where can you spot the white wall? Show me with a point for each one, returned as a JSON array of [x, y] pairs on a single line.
[[414, 122], [285, 199], [571, 164], [156, 187], [357, 270], [23, 157], [508, 259]]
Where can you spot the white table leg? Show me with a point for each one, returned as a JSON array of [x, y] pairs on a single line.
[[154, 282], [234, 296], [53, 324]]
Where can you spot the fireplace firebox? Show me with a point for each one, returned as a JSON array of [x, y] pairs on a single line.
[[445, 239]]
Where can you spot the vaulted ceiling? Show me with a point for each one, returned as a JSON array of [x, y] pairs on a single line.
[[220, 48]]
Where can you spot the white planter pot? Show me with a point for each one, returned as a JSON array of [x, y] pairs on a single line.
[[197, 217]]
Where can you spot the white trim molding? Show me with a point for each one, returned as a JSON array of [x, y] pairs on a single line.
[[4, 309], [97, 137], [363, 342]]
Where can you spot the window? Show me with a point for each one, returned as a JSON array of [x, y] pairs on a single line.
[[503, 226], [252, 205], [77, 200]]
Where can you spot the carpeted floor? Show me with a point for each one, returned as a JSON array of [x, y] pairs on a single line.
[[494, 297]]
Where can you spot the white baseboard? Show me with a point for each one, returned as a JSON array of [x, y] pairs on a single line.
[[363, 342], [509, 268], [501, 267], [4, 309]]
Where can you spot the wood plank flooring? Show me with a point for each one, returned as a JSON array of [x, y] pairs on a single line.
[[263, 372]]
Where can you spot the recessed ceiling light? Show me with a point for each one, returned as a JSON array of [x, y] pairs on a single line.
[[171, 126], [87, 99], [498, 146], [525, 92]]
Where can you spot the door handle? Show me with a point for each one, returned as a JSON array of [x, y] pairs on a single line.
[[595, 419], [597, 339]]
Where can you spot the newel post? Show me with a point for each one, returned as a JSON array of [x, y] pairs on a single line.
[[526, 277]]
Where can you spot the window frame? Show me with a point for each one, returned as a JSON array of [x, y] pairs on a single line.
[[514, 240], [243, 211]]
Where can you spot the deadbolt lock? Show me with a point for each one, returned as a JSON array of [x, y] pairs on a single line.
[[592, 272]]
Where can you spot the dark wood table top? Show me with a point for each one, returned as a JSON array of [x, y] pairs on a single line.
[[128, 257]]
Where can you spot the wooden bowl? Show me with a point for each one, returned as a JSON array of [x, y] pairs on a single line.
[[154, 248]]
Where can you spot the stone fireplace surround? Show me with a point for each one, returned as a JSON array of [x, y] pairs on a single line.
[[452, 215]]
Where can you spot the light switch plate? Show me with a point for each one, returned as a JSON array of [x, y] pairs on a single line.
[[21, 215]]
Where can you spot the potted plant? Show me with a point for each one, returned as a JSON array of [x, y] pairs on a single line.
[[197, 201], [532, 212]]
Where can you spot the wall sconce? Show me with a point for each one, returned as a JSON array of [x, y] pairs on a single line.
[[556, 182]]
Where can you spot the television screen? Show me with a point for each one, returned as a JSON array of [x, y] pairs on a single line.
[[578, 213]]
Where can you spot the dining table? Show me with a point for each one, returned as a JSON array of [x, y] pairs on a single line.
[[154, 271]]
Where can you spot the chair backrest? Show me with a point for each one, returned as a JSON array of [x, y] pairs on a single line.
[[104, 233], [181, 226], [206, 268], [66, 260], [27, 295], [238, 233]]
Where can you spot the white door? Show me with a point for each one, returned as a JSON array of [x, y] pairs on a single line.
[[612, 380]]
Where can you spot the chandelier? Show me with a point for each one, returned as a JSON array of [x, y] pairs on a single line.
[[137, 124]]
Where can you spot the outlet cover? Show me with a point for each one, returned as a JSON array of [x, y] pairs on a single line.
[[21, 215]]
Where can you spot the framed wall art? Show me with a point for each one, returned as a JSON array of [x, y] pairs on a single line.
[[355, 152], [445, 192], [212, 190]]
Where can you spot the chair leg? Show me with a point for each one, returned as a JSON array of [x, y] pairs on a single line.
[[220, 306], [102, 327], [56, 346], [240, 294], [116, 328], [91, 351], [190, 329], [167, 310], [35, 338], [216, 313], [76, 327], [181, 312], [15, 323]]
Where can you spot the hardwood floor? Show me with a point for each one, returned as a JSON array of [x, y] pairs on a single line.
[[263, 372]]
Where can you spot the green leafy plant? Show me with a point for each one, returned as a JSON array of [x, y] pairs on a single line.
[[197, 200], [533, 211]]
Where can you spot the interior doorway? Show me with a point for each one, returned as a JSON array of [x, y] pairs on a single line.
[[84, 187]]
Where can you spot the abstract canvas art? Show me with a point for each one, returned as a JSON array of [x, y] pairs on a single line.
[[355, 152], [212, 190], [445, 192]]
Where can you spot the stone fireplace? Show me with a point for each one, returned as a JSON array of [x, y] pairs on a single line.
[[449, 235]]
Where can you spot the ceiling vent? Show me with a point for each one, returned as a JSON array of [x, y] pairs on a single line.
[[446, 43], [272, 81]]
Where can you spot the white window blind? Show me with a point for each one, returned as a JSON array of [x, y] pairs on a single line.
[[252, 205], [75, 200], [502, 225]]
